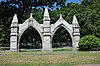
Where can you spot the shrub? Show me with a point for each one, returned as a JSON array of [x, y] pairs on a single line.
[[89, 43]]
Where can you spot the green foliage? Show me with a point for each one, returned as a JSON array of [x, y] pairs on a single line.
[[61, 40], [89, 43], [87, 14], [30, 39], [90, 18]]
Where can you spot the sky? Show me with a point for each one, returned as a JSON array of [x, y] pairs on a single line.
[[68, 1], [76, 1]]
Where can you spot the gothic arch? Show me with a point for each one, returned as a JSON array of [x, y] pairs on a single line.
[[30, 23], [62, 23], [59, 26]]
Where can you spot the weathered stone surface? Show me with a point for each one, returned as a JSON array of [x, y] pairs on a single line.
[[14, 34], [46, 31], [46, 15], [47, 43], [76, 33]]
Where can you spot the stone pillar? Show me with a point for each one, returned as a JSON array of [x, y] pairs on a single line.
[[76, 33], [46, 46], [14, 34]]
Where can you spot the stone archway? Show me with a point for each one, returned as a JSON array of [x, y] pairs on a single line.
[[31, 22], [45, 30], [62, 23], [61, 38], [30, 39]]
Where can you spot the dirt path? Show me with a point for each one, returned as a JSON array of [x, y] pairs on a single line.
[[88, 65]]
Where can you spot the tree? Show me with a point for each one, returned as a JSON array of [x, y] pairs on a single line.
[[87, 14], [22, 8], [91, 17]]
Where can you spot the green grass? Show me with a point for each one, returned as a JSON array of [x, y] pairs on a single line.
[[63, 49], [56, 58], [54, 49]]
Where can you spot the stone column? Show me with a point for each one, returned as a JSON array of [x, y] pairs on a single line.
[[46, 46], [76, 33], [14, 34]]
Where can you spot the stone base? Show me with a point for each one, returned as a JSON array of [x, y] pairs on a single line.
[[47, 50], [13, 49]]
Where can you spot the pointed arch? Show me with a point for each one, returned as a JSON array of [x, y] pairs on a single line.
[[33, 23], [61, 40], [32, 37], [62, 23]]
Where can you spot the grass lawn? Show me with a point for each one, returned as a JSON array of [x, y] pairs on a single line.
[[56, 58]]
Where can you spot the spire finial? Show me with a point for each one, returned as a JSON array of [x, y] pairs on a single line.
[[31, 15], [15, 19], [60, 15], [75, 21], [46, 14]]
